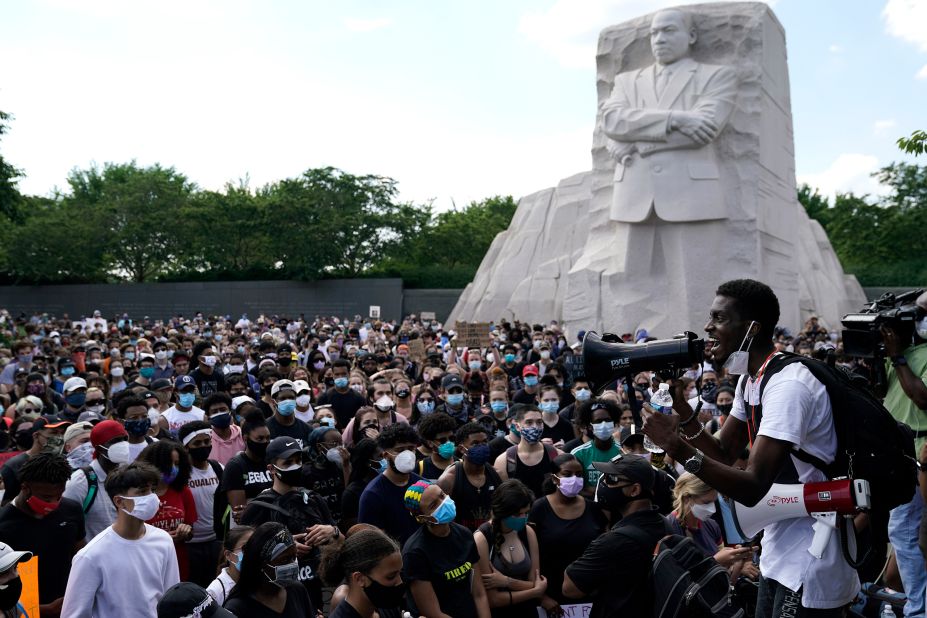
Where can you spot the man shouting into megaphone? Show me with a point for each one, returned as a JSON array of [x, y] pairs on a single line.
[[793, 411]]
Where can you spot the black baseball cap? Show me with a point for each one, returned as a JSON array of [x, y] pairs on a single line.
[[632, 467], [187, 599], [629, 438], [282, 447], [450, 381]]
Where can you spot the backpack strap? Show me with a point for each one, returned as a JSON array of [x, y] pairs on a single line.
[[270, 505], [93, 488]]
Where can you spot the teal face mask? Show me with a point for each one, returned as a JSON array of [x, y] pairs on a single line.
[[446, 450]]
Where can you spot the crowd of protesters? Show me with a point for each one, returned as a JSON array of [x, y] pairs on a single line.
[[287, 466]]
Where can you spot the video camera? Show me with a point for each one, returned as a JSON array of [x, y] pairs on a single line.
[[607, 358], [862, 337]]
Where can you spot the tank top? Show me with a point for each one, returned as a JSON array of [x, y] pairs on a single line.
[[473, 503], [518, 570]]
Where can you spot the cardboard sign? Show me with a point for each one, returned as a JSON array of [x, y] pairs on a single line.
[[574, 610], [29, 574], [473, 334], [417, 349], [427, 316], [374, 312]]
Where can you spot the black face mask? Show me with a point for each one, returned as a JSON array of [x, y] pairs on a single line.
[[258, 449], [9, 596], [293, 478], [385, 597], [200, 453], [725, 408], [614, 499]]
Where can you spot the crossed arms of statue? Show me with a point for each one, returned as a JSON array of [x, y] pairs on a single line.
[[646, 130]]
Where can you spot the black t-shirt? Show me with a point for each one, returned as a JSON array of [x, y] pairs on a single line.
[[299, 430], [327, 482], [350, 501], [427, 469], [562, 430], [497, 446], [344, 405], [346, 610], [563, 540], [615, 567], [524, 397], [447, 563], [52, 539], [10, 474], [298, 605], [572, 444], [243, 473], [208, 384]]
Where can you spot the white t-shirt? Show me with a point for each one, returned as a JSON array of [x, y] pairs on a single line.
[[203, 484], [221, 586], [306, 416], [177, 419], [706, 406], [102, 512], [136, 449], [796, 409], [113, 576]]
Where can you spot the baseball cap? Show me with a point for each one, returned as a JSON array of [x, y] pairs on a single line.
[[529, 370], [282, 447], [106, 431], [72, 384], [301, 385], [451, 380], [9, 557], [76, 430], [184, 382], [237, 401], [48, 422], [159, 384], [188, 600], [632, 467], [281, 385], [629, 437], [90, 417]]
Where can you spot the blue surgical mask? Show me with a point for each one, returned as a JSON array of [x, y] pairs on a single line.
[[531, 380], [425, 407], [498, 406], [341, 382], [328, 421], [240, 556], [454, 399], [186, 399], [171, 476], [383, 465], [286, 407], [67, 371], [583, 394], [603, 430], [550, 407], [510, 358], [446, 511]]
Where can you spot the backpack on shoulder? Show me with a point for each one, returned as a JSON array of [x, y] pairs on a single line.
[[684, 581]]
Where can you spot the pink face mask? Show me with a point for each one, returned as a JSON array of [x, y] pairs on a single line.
[[570, 486]]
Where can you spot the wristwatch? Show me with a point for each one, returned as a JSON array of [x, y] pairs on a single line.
[[899, 360], [694, 464]]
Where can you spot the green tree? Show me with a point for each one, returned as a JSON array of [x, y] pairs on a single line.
[[10, 199], [139, 212], [916, 144], [328, 222]]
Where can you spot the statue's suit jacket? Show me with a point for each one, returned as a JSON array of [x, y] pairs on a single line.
[[668, 170]]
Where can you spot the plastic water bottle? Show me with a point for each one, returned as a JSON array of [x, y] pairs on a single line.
[[661, 402]]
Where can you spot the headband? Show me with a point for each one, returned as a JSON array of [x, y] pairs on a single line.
[[199, 432]]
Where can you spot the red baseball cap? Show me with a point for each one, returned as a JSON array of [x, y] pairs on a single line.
[[529, 370], [105, 431]]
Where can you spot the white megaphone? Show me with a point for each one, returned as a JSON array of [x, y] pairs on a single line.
[[823, 501]]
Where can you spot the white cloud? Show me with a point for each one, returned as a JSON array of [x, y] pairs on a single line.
[[922, 74], [569, 29], [367, 25], [905, 19], [850, 172], [835, 49], [880, 127]]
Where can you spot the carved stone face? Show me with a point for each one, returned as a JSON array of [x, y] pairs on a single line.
[[670, 36]]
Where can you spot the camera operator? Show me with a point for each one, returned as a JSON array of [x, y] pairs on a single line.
[[793, 411], [906, 399]]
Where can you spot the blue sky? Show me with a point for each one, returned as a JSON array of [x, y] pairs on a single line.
[[455, 100]]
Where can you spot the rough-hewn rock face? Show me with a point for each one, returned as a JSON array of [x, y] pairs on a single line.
[[565, 256]]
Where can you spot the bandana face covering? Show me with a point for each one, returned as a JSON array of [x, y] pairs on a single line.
[[738, 361]]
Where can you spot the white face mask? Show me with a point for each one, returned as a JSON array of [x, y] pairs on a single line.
[[384, 403], [334, 455], [117, 372], [303, 401], [144, 507], [405, 462], [210, 361], [921, 327], [738, 362], [235, 369], [119, 453], [702, 512]]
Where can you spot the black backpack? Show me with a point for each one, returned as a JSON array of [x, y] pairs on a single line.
[[871, 444], [685, 582]]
